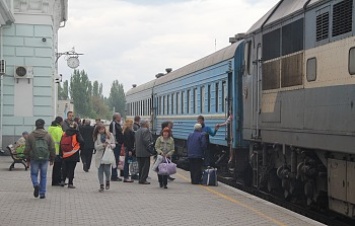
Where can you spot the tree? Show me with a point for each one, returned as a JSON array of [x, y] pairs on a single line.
[[101, 87], [80, 93], [63, 92], [117, 99], [95, 89]]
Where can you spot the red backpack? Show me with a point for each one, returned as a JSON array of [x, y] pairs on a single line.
[[66, 143]]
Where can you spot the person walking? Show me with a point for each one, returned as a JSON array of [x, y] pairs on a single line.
[[102, 139], [164, 145], [70, 146], [116, 130], [128, 134], [196, 146], [136, 124], [69, 121], [208, 132], [56, 131], [143, 138], [87, 132], [39, 150], [170, 125]]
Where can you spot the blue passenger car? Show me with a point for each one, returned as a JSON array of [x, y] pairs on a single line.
[[210, 87]]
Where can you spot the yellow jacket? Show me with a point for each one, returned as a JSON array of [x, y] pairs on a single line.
[[56, 132]]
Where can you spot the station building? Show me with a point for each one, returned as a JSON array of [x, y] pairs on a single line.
[[28, 64]]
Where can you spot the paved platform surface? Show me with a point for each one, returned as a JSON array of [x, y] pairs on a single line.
[[133, 204]]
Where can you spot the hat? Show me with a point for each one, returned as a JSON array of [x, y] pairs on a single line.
[[197, 126]]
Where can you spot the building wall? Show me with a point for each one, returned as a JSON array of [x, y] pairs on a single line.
[[31, 41]]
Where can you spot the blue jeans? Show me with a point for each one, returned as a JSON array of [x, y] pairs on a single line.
[[128, 159], [39, 166], [116, 151]]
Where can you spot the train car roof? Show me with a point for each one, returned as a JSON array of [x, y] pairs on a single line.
[[282, 9], [212, 59]]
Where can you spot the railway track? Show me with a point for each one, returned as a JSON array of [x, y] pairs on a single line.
[[325, 217]]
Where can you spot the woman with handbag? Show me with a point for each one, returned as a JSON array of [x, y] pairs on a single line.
[[128, 135], [104, 157], [164, 145]]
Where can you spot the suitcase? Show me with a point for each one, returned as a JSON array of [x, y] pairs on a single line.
[[209, 177]]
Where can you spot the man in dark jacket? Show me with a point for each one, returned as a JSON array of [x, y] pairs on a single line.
[[136, 125], [196, 147], [143, 138], [68, 121], [208, 132], [86, 132], [116, 130], [39, 149]]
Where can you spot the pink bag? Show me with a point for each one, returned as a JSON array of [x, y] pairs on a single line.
[[167, 167]]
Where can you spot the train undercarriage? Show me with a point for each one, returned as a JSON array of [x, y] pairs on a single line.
[[298, 176]]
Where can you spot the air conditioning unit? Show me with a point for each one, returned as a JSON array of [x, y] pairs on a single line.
[[23, 72], [2, 67]]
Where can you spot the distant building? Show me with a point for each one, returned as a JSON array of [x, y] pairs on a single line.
[[28, 47]]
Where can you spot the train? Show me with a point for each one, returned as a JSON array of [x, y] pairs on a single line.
[[288, 83]]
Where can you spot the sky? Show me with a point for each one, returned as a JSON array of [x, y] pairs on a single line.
[[133, 40]]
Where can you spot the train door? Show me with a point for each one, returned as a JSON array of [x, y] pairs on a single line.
[[258, 80], [153, 106], [228, 109]]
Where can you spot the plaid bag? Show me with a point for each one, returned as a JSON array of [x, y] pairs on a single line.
[[133, 168]]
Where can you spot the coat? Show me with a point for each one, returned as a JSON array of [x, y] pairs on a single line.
[[196, 145], [56, 132], [165, 147], [75, 157], [99, 147], [143, 137], [129, 139], [31, 140], [86, 132]]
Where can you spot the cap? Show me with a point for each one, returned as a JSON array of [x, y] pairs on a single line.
[[197, 126]]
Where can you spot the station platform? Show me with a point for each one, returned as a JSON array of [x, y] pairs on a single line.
[[132, 203]]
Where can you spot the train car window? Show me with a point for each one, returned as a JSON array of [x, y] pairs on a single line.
[[292, 37], [168, 104], [271, 45], [247, 57], [172, 103], [216, 97], [141, 107], [342, 17], [224, 94], [352, 61], [194, 103], [202, 99], [188, 101], [182, 102], [322, 23], [135, 108], [209, 98], [177, 103]]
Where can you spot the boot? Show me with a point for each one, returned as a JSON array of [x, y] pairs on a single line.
[[107, 185], [101, 188]]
